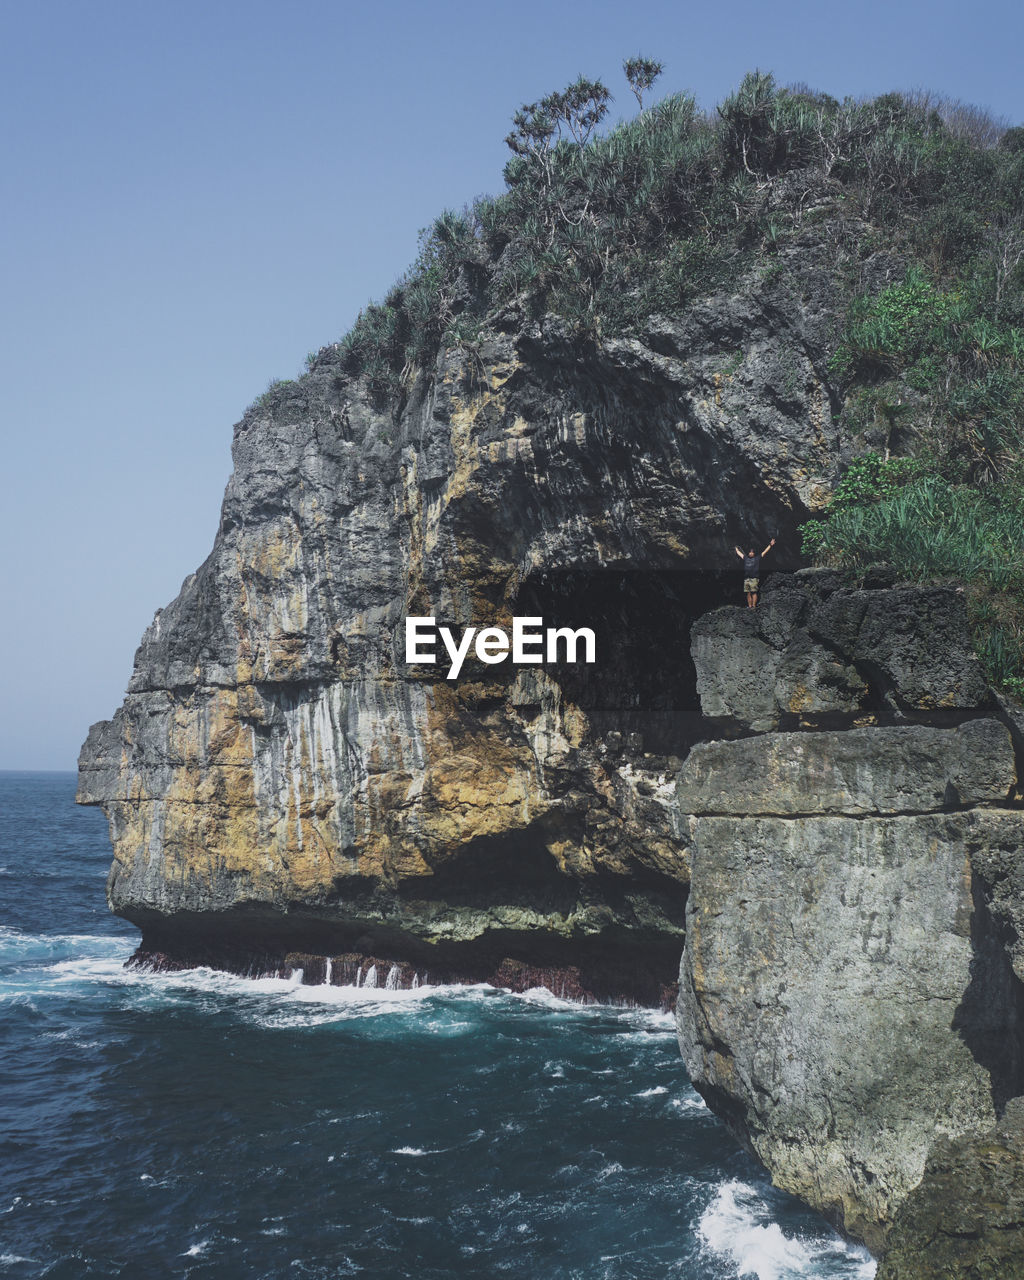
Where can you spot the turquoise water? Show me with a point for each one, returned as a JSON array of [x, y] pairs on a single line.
[[203, 1125]]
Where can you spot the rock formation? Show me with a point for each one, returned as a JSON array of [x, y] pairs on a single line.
[[966, 1217], [847, 990], [283, 789], [280, 780]]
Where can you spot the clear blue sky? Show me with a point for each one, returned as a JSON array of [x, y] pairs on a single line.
[[194, 195]]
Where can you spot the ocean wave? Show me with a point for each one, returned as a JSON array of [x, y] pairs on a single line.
[[546, 999], [642, 1022], [283, 1001], [737, 1227], [297, 1007], [642, 1027], [99, 959], [691, 1102], [67, 1036], [19, 946]]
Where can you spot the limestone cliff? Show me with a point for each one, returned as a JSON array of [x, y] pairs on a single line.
[[279, 779], [832, 770], [849, 990]]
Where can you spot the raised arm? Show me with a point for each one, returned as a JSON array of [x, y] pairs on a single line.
[[768, 547], [738, 552]]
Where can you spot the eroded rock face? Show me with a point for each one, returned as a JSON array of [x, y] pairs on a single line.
[[966, 1217], [884, 770], [280, 780], [847, 991], [810, 656]]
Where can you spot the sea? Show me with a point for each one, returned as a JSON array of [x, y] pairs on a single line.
[[202, 1125]]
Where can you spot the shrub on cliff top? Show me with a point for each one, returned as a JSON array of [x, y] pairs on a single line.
[[609, 228], [927, 528]]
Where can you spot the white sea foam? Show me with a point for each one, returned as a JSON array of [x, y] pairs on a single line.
[[649, 1020], [20, 945], [542, 996], [99, 963], [737, 1227], [19, 1000], [690, 1103], [651, 1093], [93, 962], [643, 1029], [69, 1037]]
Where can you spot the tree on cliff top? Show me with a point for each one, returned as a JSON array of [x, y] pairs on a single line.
[[641, 74], [576, 111]]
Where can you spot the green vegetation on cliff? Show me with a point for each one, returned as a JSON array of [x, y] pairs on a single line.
[[917, 203], [907, 513], [606, 230]]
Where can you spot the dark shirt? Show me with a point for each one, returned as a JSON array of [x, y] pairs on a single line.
[[751, 566]]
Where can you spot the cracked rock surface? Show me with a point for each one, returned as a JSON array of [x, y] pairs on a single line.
[[847, 989]]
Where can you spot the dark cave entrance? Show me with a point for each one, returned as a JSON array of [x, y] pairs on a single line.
[[643, 684]]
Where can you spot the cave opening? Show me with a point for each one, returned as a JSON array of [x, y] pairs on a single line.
[[643, 684]]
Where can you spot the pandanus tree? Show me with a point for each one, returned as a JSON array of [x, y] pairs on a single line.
[[641, 74], [574, 113]]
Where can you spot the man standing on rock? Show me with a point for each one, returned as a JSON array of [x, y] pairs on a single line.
[[751, 572]]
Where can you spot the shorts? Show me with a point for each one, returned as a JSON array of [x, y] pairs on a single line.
[[750, 586]]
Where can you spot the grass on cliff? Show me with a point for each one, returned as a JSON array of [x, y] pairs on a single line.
[[901, 513], [606, 229]]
